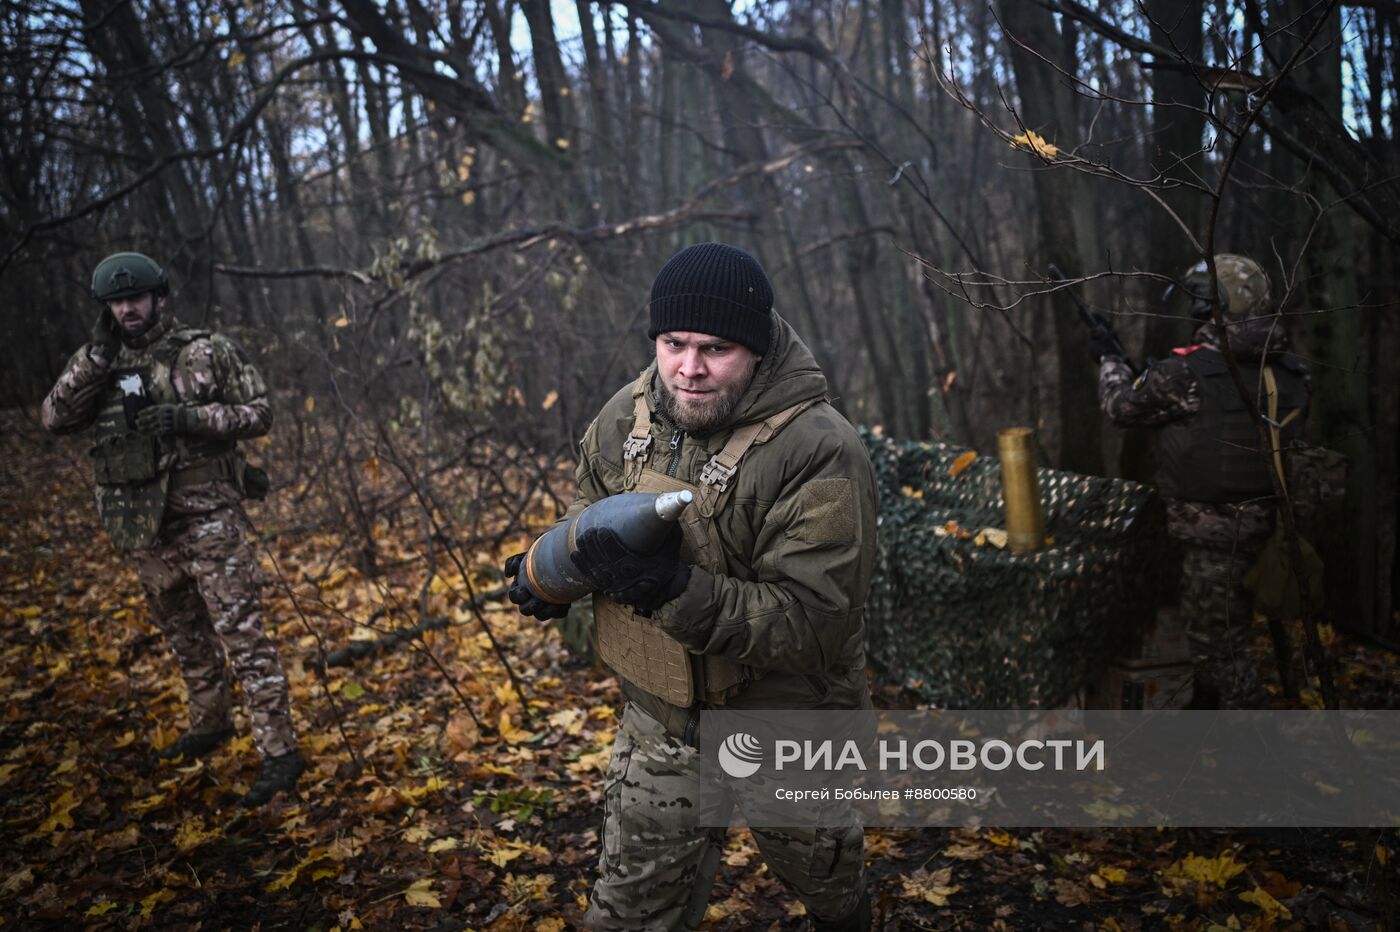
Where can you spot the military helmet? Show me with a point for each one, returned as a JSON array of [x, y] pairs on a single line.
[[1243, 287], [124, 274]]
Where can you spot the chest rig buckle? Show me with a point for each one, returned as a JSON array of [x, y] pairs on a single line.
[[717, 474], [636, 448]]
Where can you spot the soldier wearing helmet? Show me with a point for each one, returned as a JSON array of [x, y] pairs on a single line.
[[168, 405], [1211, 466]]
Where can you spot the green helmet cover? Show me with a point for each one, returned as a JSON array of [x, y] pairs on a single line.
[[124, 274], [1241, 283]]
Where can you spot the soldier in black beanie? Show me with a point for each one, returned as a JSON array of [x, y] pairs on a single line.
[[757, 603], [716, 289]]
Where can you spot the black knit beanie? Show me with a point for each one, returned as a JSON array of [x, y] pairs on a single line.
[[716, 289]]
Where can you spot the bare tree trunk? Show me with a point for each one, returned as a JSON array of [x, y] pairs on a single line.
[[1176, 141], [1047, 108]]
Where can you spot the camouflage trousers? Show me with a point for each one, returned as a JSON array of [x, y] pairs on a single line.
[[1219, 543], [658, 861], [204, 590]]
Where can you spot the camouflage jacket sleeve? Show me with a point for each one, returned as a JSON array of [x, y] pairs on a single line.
[[71, 404], [1166, 391], [229, 398]]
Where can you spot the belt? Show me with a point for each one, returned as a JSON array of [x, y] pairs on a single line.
[[212, 470]]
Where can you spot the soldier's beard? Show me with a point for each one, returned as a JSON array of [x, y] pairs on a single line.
[[133, 336], [700, 416]]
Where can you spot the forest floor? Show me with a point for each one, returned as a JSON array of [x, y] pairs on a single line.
[[435, 800]]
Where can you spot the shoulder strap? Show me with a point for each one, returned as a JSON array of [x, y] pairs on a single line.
[[169, 346], [636, 449], [720, 470], [1276, 426]]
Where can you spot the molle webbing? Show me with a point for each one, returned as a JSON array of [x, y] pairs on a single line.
[[634, 647]]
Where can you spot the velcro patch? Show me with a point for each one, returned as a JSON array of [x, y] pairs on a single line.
[[828, 511]]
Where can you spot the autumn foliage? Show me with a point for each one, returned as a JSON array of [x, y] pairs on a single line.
[[446, 791]]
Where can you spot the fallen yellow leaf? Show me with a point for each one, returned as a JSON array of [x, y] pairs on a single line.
[[420, 893], [192, 834], [149, 904], [143, 806], [932, 888], [1265, 901], [512, 734], [961, 464], [1218, 871], [60, 810]]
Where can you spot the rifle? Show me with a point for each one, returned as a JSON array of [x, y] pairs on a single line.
[[1096, 322]]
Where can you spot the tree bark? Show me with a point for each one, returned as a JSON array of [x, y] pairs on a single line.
[[1047, 108]]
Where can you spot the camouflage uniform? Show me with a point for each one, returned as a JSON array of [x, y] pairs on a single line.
[[199, 573], [658, 861], [797, 531], [1219, 540]]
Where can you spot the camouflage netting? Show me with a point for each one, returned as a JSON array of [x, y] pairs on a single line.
[[967, 625]]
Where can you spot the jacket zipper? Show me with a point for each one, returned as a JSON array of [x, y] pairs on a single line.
[[691, 724], [677, 436]]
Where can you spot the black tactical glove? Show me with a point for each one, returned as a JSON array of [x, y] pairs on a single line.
[[1103, 342], [166, 419], [644, 582], [524, 597], [106, 335]]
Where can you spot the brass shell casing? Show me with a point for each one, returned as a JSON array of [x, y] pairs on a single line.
[[1025, 525]]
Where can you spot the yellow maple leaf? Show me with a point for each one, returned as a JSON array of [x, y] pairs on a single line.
[[508, 850], [1035, 142], [933, 888], [522, 888], [143, 806], [289, 877], [503, 856], [512, 734], [1218, 871], [1272, 908], [1113, 874], [100, 908], [421, 893], [1000, 839], [149, 904], [60, 813], [192, 834], [552, 924]]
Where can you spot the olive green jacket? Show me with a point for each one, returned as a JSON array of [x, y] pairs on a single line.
[[797, 527]]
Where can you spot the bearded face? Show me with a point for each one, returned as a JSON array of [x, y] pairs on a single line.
[[702, 378]]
